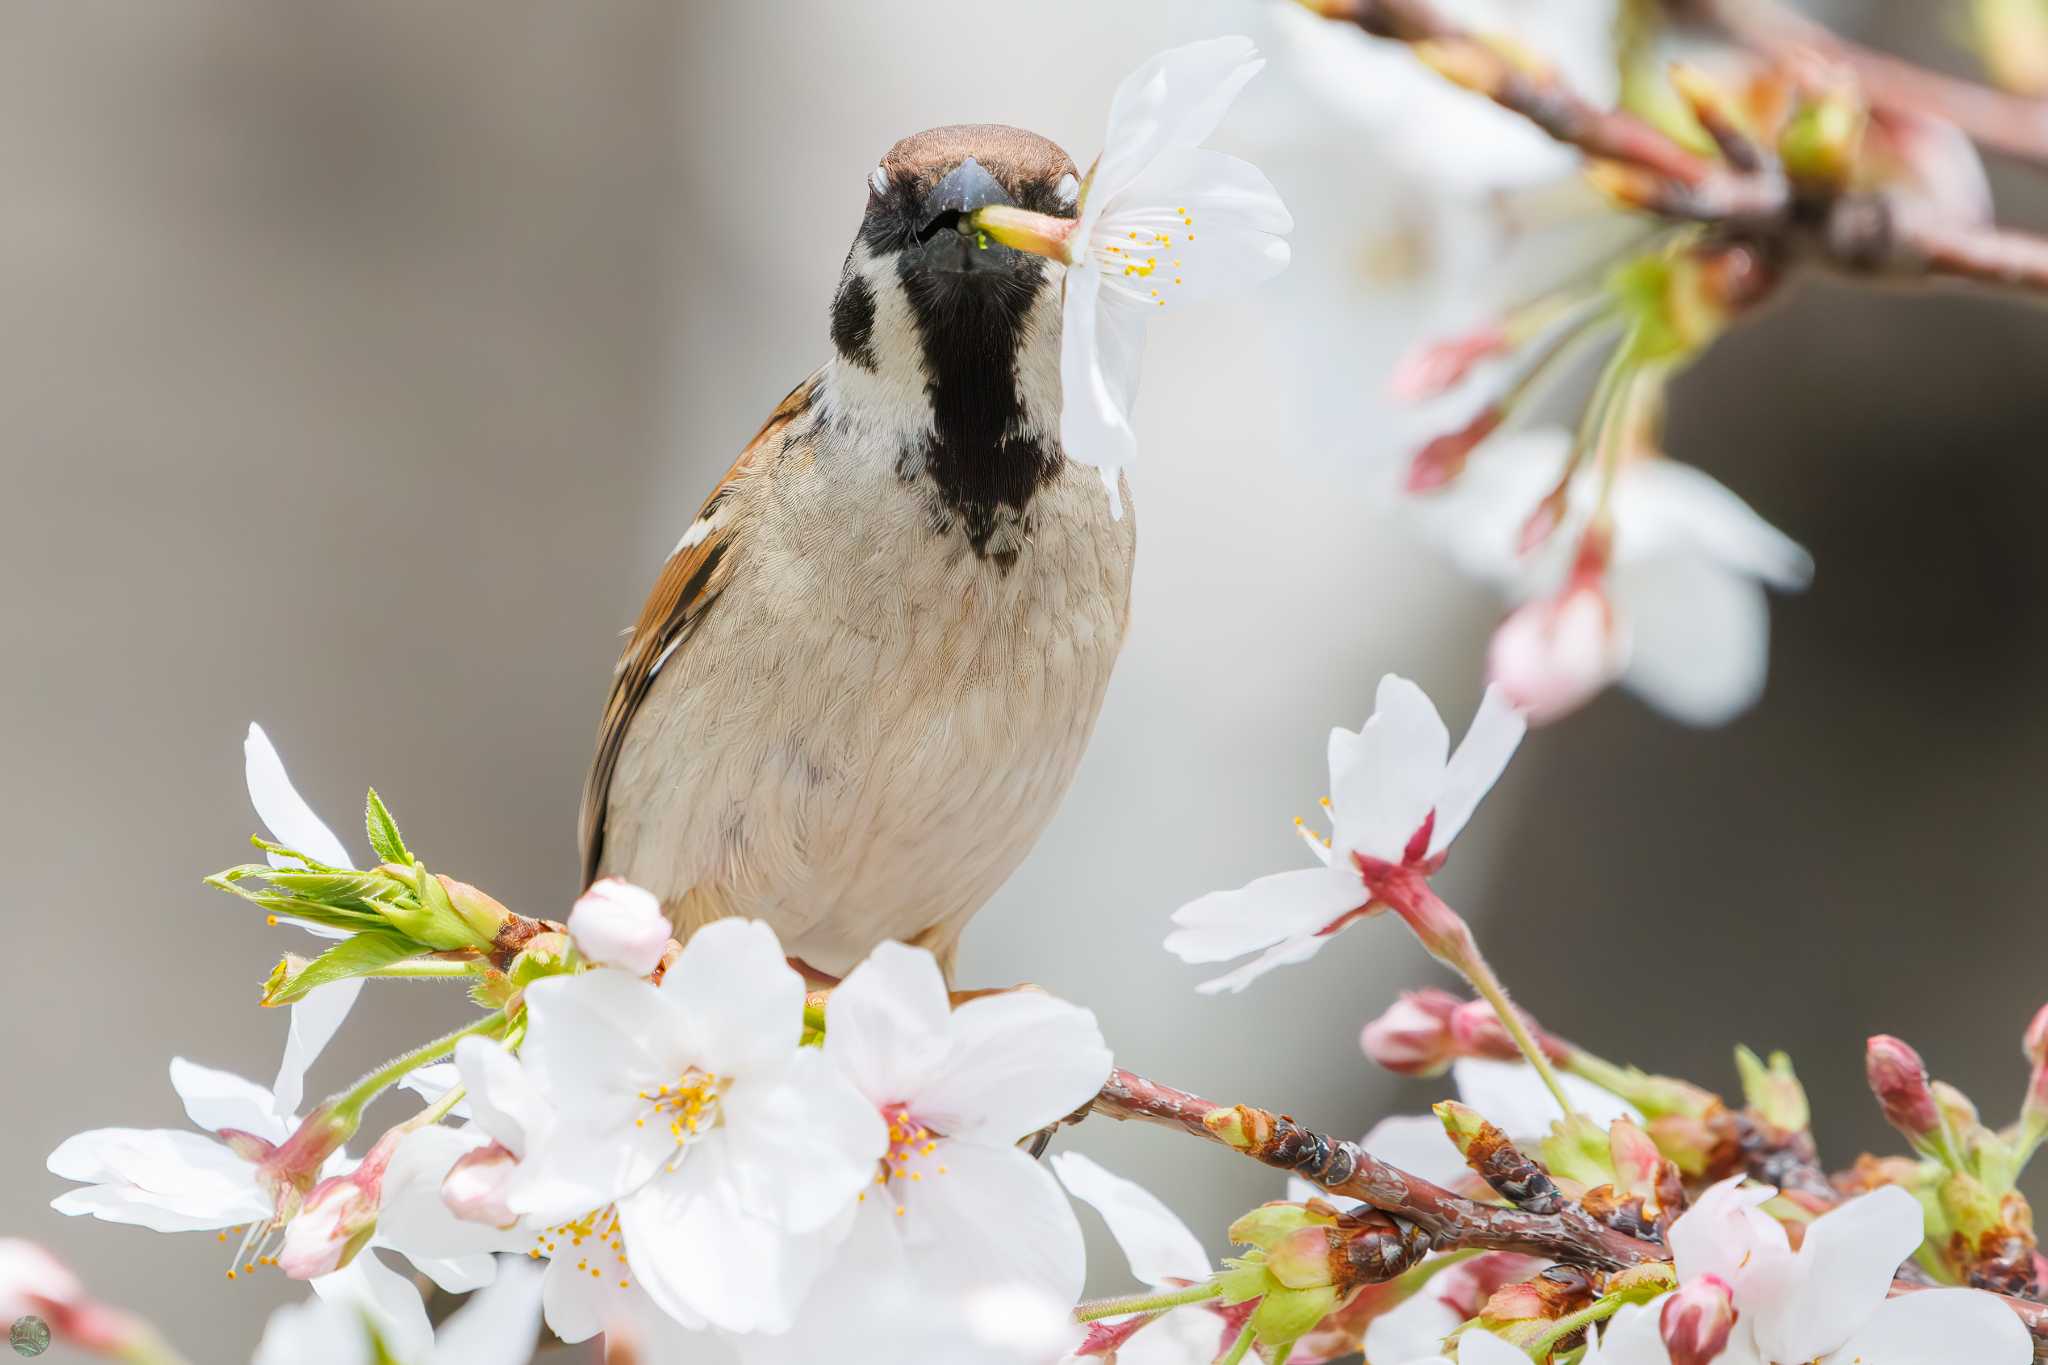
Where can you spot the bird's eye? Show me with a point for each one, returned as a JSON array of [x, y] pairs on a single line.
[[879, 181], [1068, 191]]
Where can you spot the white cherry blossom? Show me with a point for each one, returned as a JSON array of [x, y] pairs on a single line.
[[1398, 798], [728, 1155], [1830, 1301], [1162, 220], [1690, 627]]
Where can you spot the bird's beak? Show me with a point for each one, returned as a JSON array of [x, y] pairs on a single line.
[[946, 235]]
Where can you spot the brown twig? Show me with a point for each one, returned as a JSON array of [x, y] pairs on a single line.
[[2013, 124], [1345, 1168]]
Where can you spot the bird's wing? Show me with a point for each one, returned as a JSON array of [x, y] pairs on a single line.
[[690, 581]]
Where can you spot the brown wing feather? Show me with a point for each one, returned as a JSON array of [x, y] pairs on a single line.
[[688, 584]]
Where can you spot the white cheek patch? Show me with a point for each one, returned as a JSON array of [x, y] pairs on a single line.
[[879, 181], [1068, 191]]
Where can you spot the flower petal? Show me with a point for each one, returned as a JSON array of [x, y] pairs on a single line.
[[1723, 1234], [1412, 1331], [1173, 101], [1019, 1061], [499, 1325], [995, 1218], [744, 1001], [703, 1257], [1666, 504], [387, 1298], [314, 1332], [888, 1023], [1699, 637], [1159, 1247], [1286, 953], [1102, 343], [506, 1102], [1197, 226], [316, 1017], [282, 810], [1481, 757], [412, 1218], [1484, 1348], [1848, 1260], [1396, 771], [1937, 1327], [1227, 924], [220, 1099], [802, 1146]]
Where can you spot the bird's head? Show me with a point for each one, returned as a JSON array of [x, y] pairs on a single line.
[[917, 261]]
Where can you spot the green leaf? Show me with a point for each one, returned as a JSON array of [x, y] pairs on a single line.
[[352, 957], [383, 832]]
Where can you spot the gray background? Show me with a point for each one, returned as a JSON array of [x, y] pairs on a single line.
[[359, 363]]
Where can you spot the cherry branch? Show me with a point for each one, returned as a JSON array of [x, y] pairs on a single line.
[[1571, 1235], [1345, 1168], [2013, 124], [1865, 233]]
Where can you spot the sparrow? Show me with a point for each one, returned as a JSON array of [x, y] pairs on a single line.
[[867, 671]]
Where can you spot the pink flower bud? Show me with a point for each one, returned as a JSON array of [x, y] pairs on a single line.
[[330, 1227], [1443, 459], [1476, 1031], [620, 925], [1301, 1259], [1899, 1080], [1553, 655], [1697, 1320], [2035, 1043], [476, 1185], [1413, 1037], [1436, 367]]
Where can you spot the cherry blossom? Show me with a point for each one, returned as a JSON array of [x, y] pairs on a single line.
[[689, 1122], [1681, 617], [957, 1088], [1397, 800], [1828, 1302], [1162, 220]]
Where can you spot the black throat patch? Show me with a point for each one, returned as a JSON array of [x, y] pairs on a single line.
[[982, 474]]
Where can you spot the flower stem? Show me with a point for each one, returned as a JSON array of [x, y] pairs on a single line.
[[1146, 1303], [350, 1104], [1481, 974], [1599, 1310], [1238, 1348]]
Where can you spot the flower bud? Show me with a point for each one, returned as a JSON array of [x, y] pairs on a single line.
[[1697, 1320], [1302, 1259], [1477, 1031], [476, 1186], [1443, 458], [620, 925], [1898, 1078], [1820, 142], [1413, 1036], [1637, 1162], [331, 1226], [1773, 1091], [34, 1282], [480, 910], [2034, 1043], [1268, 1224], [1436, 367], [1553, 655]]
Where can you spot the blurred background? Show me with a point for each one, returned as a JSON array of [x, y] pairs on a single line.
[[359, 364]]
